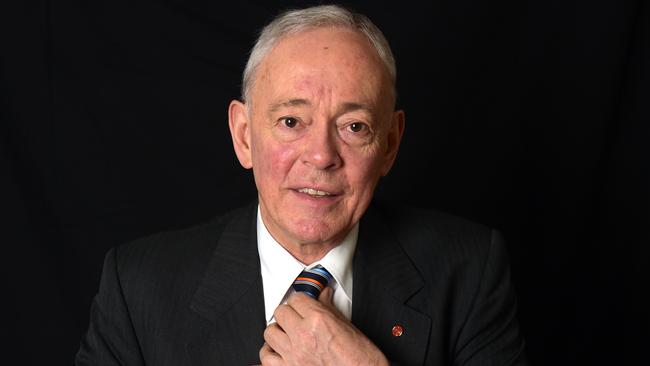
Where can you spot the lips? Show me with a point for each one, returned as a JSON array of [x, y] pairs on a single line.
[[318, 192], [314, 192]]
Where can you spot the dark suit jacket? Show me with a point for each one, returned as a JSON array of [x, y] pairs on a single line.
[[195, 297]]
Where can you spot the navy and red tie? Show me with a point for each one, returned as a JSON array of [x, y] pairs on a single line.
[[312, 281]]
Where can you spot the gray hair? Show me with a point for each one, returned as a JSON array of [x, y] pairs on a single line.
[[296, 21]]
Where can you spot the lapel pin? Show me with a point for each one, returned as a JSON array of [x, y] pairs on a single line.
[[397, 330]]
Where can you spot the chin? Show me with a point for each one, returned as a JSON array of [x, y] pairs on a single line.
[[316, 232]]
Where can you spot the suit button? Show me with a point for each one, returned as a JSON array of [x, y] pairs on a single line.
[[397, 330]]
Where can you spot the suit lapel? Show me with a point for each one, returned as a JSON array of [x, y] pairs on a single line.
[[227, 320], [230, 298], [384, 280]]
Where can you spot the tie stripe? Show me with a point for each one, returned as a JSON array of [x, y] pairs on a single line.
[[312, 281]]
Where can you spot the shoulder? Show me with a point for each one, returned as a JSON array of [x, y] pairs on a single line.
[[413, 218], [438, 241], [420, 224], [170, 260]]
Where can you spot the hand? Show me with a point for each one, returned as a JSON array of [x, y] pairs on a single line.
[[310, 332]]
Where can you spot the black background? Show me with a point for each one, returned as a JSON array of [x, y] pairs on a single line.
[[529, 116]]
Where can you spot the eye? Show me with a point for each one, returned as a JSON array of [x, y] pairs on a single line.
[[289, 122], [356, 133], [356, 127]]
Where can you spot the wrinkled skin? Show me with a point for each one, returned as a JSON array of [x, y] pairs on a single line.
[[310, 332]]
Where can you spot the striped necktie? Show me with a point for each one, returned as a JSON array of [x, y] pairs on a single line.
[[312, 281]]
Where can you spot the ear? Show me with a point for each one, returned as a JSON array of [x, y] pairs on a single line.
[[393, 138], [239, 124]]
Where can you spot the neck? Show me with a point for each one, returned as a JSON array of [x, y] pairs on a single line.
[[308, 253], [305, 251]]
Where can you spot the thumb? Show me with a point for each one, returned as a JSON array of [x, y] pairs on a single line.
[[325, 296]]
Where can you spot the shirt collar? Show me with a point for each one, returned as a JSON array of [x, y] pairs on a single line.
[[279, 268]]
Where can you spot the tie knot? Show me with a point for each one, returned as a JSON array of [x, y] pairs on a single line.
[[312, 281]]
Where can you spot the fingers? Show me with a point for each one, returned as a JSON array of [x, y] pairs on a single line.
[[287, 316], [268, 357], [306, 328], [326, 296], [303, 304], [277, 339]]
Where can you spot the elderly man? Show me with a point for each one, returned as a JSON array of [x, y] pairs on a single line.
[[312, 273]]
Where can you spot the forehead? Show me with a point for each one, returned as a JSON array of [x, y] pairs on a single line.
[[332, 62]]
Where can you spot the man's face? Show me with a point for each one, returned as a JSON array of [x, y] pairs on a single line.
[[320, 134]]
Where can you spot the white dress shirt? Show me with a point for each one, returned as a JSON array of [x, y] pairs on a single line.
[[279, 269]]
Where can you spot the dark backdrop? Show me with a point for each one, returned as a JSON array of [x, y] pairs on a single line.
[[530, 116]]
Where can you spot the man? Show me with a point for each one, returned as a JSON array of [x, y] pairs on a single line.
[[318, 128]]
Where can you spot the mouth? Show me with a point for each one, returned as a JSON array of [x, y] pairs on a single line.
[[315, 192]]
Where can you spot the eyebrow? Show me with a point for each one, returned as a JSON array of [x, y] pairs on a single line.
[[347, 107], [289, 103], [350, 106]]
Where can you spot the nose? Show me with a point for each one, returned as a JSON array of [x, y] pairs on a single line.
[[321, 150]]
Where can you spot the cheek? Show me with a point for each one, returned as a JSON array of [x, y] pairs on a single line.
[[273, 160], [366, 172]]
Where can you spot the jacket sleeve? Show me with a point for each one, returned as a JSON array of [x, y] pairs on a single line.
[[491, 335], [111, 337]]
